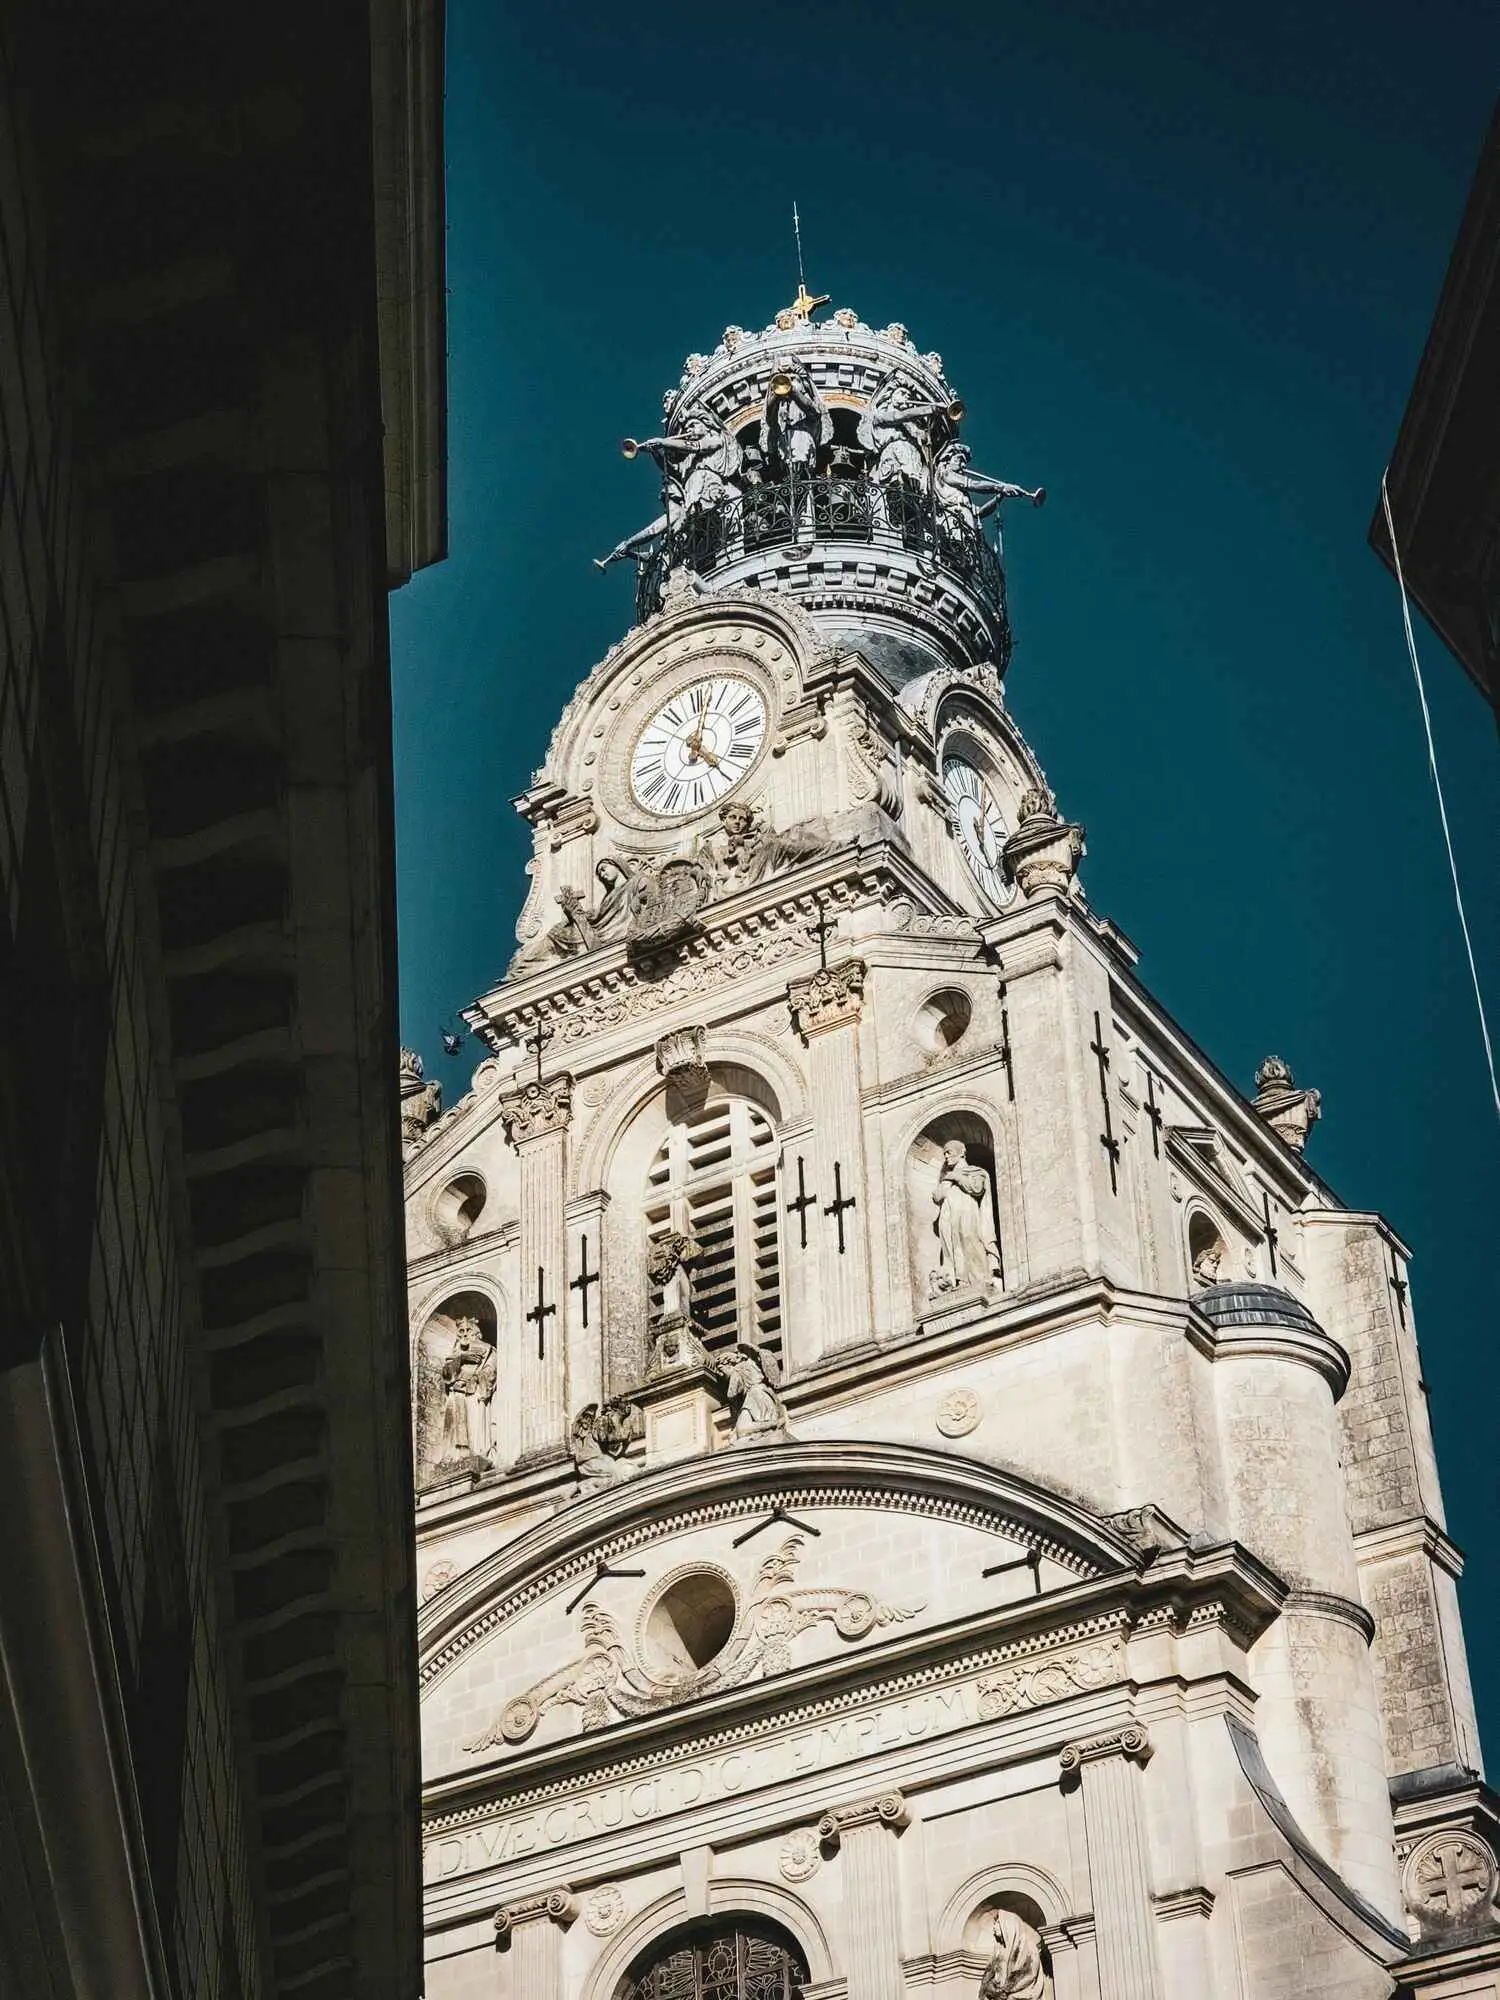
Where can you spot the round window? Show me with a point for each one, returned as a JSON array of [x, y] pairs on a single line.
[[690, 1623]]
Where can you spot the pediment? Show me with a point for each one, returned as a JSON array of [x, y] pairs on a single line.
[[725, 1574], [1203, 1155]]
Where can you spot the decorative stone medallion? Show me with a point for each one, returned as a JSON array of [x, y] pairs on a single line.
[[604, 1909], [1449, 1879], [438, 1578], [958, 1413], [800, 1854]]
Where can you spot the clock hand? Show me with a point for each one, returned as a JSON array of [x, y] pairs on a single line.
[[699, 752]]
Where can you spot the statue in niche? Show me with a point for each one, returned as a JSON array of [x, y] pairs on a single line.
[[1208, 1262], [1015, 1972], [600, 1437], [750, 1382], [742, 849], [968, 1248], [468, 1379], [582, 928], [955, 483]]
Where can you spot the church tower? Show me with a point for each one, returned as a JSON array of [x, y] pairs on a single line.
[[923, 1489]]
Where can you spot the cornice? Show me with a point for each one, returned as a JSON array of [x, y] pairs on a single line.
[[1418, 1536], [860, 872]]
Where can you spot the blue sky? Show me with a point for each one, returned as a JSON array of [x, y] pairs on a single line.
[[1180, 263]]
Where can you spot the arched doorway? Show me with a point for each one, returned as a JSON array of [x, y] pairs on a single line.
[[730, 1958]]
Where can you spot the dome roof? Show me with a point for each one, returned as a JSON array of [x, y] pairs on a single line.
[[1253, 1304]]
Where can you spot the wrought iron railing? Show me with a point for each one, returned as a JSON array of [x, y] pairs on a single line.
[[795, 512]]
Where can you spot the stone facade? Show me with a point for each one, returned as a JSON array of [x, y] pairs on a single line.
[[957, 1514], [209, 315]]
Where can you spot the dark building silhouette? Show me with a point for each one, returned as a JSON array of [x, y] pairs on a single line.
[[1444, 477], [221, 441]]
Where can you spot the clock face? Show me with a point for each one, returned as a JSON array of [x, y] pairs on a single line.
[[981, 830], [698, 745]]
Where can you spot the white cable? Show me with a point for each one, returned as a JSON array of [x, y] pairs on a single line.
[[1437, 785]]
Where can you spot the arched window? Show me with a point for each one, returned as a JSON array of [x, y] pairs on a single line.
[[715, 1179], [734, 1960]]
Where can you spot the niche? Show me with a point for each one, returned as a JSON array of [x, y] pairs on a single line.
[[1208, 1253], [457, 1207], [955, 1251], [943, 1020], [450, 1442]]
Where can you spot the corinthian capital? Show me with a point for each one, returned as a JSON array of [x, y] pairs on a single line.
[[538, 1108], [558, 1906], [887, 1809], [831, 997]]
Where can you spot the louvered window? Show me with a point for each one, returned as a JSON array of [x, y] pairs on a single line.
[[715, 1179], [738, 1964]]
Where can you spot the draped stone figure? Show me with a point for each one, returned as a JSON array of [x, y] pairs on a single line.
[[797, 425], [742, 849], [747, 1382], [894, 432], [582, 928], [1015, 1972], [968, 1248], [468, 1379]]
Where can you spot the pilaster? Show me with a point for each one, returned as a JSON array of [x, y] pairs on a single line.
[[536, 1118], [531, 1931], [864, 1835], [1105, 1770], [825, 1011]]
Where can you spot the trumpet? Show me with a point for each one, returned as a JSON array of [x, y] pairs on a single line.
[[955, 411], [629, 447], [781, 383]]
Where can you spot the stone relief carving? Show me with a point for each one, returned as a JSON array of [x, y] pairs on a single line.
[[599, 1439], [968, 1248], [1015, 1972], [750, 1384], [421, 1102], [832, 996], [438, 1577], [1286, 1109], [958, 1413], [610, 1680], [801, 1854], [682, 1053], [1449, 1880], [664, 899], [1034, 1683], [604, 1909], [537, 1108]]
